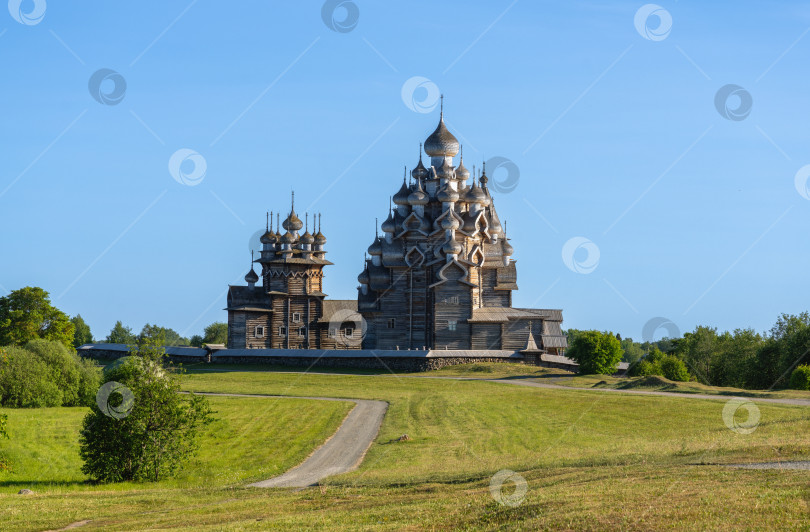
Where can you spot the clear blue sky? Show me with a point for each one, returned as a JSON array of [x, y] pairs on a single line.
[[617, 138]]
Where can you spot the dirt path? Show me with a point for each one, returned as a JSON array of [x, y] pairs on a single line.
[[796, 402], [341, 453]]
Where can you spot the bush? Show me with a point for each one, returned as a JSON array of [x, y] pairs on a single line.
[[596, 352], [150, 435], [673, 369], [46, 373], [800, 378]]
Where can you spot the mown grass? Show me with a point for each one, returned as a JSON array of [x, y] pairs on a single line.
[[250, 440], [592, 462]]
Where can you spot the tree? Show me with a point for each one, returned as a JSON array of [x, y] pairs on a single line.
[[596, 352], [81, 334], [196, 341], [121, 335], [27, 314], [673, 368], [216, 333], [4, 426], [632, 351], [149, 437], [156, 335]]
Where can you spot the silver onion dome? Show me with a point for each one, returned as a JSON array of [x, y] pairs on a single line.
[[451, 247], [251, 277], [445, 171], [363, 277], [507, 247], [307, 238], [447, 195], [292, 222], [441, 142], [375, 249], [418, 196], [388, 226], [287, 238], [401, 197], [461, 171], [475, 195], [450, 222], [320, 239], [420, 172]]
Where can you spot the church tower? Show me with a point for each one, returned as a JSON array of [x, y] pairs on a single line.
[[442, 274]]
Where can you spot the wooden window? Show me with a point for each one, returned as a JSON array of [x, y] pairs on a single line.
[[451, 300], [302, 331], [392, 323], [332, 332], [282, 331], [348, 332], [451, 325], [296, 317], [259, 331]]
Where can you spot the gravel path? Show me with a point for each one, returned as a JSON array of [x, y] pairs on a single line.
[[797, 402], [801, 464], [341, 453]]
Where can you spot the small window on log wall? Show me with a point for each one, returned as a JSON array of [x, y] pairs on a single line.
[[451, 325], [296, 317], [259, 332], [282, 331], [392, 323], [348, 332], [302, 331], [332, 332]]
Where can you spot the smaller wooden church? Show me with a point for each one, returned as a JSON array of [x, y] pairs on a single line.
[[286, 307]]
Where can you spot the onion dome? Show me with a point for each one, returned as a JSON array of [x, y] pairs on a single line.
[[418, 196], [450, 223], [495, 227], [268, 237], [320, 239], [461, 171], [507, 247], [401, 197], [375, 249], [287, 238], [420, 172], [476, 195], [441, 142], [451, 247], [292, 222], [251, 277], [445, 171], [363, 277], [307, 238], [447, 195], [388, 226]]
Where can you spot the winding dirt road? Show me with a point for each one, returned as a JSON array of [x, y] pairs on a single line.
[[341, 453]]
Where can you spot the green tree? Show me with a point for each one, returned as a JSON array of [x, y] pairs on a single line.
[[800, 378], [216, 333], [121, 335], [27, 314], [81, 334], [699, 350], [156, 335], [673, 368], [150, 437], [196, 341], [632, 350], [596, 352]]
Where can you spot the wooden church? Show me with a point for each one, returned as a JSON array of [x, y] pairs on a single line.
[[440, 277]]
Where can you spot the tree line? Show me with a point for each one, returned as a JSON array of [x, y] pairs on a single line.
[[27, 314], [741, 358]]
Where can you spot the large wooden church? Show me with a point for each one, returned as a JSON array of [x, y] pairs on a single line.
[[441, 276]]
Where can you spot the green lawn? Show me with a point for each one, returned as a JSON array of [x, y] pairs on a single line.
[[592, 461]]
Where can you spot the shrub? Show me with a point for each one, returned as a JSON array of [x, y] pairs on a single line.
[[46, 373], [800, 378], [673, 369], [26, 382], [153, 434]]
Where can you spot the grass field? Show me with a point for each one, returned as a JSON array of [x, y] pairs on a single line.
[[592, 461]]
